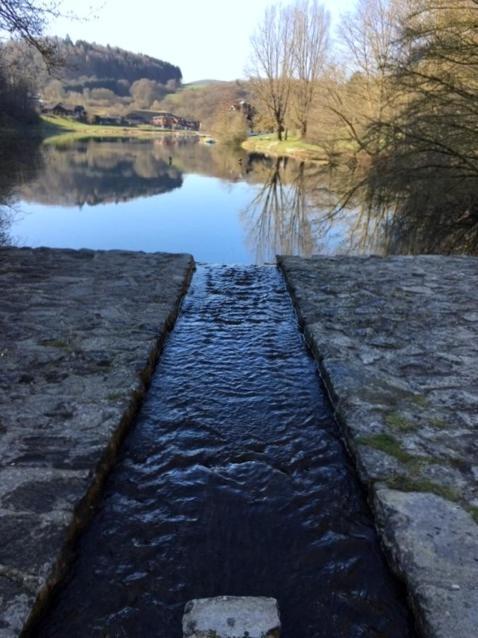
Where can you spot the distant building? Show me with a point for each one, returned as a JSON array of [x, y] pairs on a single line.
[[173, 122], [65, 110], [139, 117], [110, 120], [246, 109]]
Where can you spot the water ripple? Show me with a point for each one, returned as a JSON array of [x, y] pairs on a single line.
[[233, 481]]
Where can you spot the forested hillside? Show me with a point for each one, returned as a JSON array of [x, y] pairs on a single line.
[[87, 71]]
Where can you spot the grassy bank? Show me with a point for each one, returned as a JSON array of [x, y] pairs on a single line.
[[59, 130], [292, 147]]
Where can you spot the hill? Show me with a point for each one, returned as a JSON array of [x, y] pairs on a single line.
[[88, 72], [206, 100], [199, 84]]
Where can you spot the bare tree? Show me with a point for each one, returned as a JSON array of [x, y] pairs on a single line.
[[311, 24], [279, 219], [368, 35], [27, 19], [436, 68], [271, 64]]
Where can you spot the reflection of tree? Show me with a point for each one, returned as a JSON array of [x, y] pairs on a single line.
[[97, 171], [94, 172], [19, 160], [362, 228], [403, 210], [433, 211], [278, 218], [5, 222], [298, 208]]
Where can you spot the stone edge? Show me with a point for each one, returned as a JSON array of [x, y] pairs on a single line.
[[85, 508], [375, 491]]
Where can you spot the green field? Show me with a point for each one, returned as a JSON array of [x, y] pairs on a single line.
[[292, 147], [59, 130]]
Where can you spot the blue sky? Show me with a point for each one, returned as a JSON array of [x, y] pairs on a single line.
[[206, 38]]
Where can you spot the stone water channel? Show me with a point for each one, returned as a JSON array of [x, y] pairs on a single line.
[[233, 481]]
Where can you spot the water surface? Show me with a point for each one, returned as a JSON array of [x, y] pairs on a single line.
[[233, 482], [221, 205]]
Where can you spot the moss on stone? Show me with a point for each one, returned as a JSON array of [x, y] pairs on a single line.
[[399, 421], [388, 444], [420, 400], [407, 484], [56, 343], [438, 423], [115, 396], [473, 511]]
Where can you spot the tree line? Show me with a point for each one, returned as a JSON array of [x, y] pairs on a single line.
[[398, 75], [57, 69], [86, 72]]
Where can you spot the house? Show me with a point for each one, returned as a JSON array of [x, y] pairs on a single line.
[[173, 122], [246, 109], [139, 117], [110, 120], [65, 110]]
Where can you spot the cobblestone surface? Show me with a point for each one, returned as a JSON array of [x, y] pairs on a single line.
[[79, 335], [397, 343]]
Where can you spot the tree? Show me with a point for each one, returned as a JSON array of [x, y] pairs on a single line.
[[230, 128], [436, 67], [310, 39], [27, 19], [271, 64], [144, 92], [427, 167], [368, 36]]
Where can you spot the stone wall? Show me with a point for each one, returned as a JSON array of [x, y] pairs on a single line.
[[396, 340], [80, 332]]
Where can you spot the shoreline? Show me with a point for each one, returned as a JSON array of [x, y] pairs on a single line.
[[57, 130], [293, 147]]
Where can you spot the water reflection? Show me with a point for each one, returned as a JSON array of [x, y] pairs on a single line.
[[100, 171], [19, 162], [423, 210], [279, 218], [227, 206]]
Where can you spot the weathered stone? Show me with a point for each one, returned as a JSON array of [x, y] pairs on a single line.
[[79, 335], [15, 602], [232, 617], [397, 344], [435, 543]]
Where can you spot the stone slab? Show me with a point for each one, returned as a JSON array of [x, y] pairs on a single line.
[[396, 340], [80, 332], [435, 542], [232, 617]]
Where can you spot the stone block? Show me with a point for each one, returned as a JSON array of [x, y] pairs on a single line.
[[232, 617]]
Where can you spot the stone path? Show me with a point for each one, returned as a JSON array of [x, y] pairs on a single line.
[[79, 334], [397, 343]]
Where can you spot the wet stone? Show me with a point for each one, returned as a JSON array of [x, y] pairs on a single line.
[[78, 333], [232, 617], [233, 481], [397, 344], [16, 600], [440, 564]]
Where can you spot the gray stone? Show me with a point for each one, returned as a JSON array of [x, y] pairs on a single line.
[[232, 617], [435, 542], [396, 342], [80, 332]]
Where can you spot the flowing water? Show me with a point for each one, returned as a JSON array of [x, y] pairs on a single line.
[[233, 481]]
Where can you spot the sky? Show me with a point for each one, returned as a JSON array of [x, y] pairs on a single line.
[[207, 39]]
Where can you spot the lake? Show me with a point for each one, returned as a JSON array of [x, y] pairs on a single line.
[[223, 206]]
